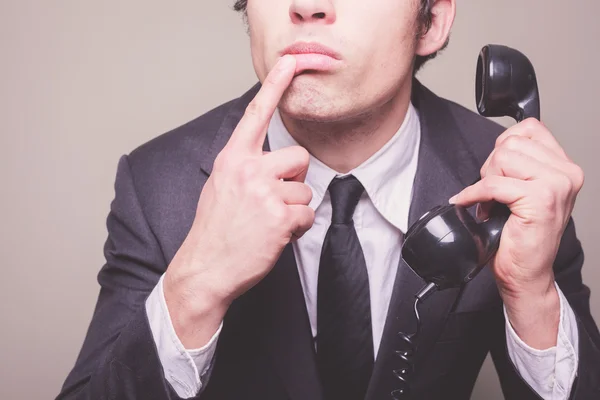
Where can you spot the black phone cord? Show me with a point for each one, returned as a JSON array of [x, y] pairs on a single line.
[[409, 347]]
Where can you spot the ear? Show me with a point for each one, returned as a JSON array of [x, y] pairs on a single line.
[[443, 12]]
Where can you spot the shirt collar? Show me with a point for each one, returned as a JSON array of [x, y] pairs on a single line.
[[387, 175]]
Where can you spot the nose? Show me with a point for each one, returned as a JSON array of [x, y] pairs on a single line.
[[312, 11]]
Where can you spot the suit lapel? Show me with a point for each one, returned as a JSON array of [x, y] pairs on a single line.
[[445, 167], [221, 136], [276, 304]]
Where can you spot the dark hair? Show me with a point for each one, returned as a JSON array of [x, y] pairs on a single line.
[[425, 16]]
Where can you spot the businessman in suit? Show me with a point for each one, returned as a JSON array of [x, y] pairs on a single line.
[[254, 253]]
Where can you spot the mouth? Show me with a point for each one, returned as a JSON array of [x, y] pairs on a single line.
[[312, 56]]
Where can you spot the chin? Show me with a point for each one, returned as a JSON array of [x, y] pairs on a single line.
[[309, 99]]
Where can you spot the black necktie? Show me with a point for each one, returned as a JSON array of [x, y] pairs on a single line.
[[344, 330]]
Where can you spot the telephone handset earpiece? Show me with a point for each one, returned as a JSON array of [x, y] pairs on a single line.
[[447, 247]]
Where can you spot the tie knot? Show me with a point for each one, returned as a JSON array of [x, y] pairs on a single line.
[[345, 193]]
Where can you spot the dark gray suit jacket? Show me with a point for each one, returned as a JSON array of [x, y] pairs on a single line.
[[265, 350]]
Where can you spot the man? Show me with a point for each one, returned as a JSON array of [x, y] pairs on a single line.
[[255, 252]]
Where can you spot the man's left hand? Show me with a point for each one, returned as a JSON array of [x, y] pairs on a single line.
[[529, 172]]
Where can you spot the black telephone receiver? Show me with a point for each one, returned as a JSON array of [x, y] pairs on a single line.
[[447, 246]]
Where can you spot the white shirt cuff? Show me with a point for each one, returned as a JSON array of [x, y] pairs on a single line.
[[184, 369], [550, 372]]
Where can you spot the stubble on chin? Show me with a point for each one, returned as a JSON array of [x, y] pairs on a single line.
[[311, 101]]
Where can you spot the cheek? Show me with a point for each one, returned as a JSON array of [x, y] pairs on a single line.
[[258, 59], [389, 65], [396, 38], [257, 50], [262, 28], [397, 60], [385, 42]]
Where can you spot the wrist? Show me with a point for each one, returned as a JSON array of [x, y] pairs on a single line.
[[519, 291], [195, 308], [535, 316]]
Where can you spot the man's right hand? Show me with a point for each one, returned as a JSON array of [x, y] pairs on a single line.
[[250, 208]]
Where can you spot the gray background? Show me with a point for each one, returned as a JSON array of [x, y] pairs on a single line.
[[83, 82]]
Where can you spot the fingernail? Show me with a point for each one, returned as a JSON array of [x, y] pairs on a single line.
[[453, 199]]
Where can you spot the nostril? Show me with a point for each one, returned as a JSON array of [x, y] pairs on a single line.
[[320, 15], [298, 16]]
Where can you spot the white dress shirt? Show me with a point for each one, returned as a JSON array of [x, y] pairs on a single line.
[[380, 219]]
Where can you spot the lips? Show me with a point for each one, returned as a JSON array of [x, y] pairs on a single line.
[[313, 57]]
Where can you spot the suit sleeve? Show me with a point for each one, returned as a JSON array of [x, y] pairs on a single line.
[[567, 268], [119, 357]]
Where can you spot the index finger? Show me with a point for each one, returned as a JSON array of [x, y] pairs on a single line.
[[251, 131]]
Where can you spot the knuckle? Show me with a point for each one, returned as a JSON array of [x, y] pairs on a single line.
[[488, 184], [310, 216], [501, 156], [499, 139], [254, 109], [308, 194], [579, 176], [247, 171], [495, 184], [547, 198], [303, 193], [567, 183], [513, 142], [261, 193], [531, 124], [485, 166], [280, 215], [564, 183], [303, 219]]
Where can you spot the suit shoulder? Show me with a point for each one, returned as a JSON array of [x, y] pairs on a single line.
[[189, 139], [167, 177]]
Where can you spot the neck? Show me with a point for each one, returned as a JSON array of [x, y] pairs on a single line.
[[346, 144]]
